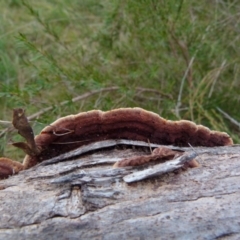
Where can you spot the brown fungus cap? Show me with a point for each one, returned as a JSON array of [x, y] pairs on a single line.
[[9, 167], [73, 131]]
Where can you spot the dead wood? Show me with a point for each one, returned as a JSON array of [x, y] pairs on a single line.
[[85, 198]]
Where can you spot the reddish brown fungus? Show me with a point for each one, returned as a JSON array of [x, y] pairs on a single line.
[[73, 131]]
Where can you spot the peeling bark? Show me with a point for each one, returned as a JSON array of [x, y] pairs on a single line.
[[85, 198]]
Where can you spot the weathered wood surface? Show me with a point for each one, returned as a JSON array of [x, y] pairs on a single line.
[[86, 198]]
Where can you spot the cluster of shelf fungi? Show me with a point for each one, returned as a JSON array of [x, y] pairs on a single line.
[[136, 124]]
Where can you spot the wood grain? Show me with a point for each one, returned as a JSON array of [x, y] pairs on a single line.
[[84, 198]]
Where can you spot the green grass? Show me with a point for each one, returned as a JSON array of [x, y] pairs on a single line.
[[53, 51]]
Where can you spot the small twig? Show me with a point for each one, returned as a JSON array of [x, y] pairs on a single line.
[[151, 151], [85, 95], [141, 89], [9, 129], [192, 148], [44, 110], [6, 123], [178, 105], [149, 99], [161, 168], [216, 78], [233, 121]]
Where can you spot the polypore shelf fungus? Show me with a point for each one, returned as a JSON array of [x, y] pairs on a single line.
[[70, 132]]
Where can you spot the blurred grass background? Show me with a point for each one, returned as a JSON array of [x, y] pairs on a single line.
[[179, 59]]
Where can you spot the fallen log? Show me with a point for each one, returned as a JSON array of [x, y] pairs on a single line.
[[83, 197]]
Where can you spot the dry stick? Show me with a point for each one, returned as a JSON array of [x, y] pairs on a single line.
[[9, 126], [7, 123], [150, 148], [86, 95], [229, 117], [178, 105], [216, 78], [141, 89], [161, 168], [44, 110], [184, 48], [10, 129]]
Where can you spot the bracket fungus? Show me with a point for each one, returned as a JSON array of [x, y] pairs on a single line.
[[73, 131]]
